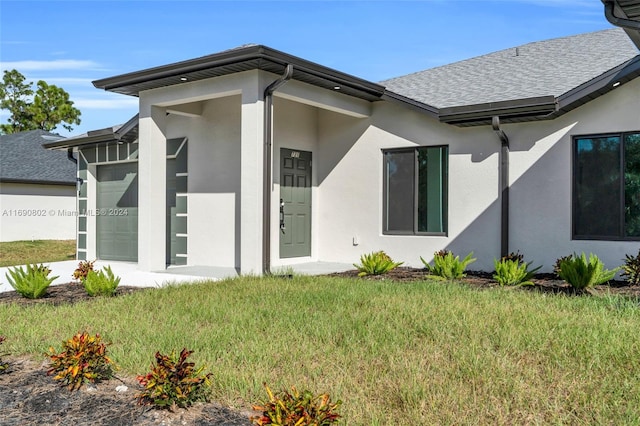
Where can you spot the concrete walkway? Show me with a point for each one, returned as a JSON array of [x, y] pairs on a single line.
[[131, 276]]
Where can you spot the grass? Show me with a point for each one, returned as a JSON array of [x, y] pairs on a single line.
[[38, 251], [402, 354]]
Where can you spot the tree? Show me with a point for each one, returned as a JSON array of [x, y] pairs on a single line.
[[43, 109]]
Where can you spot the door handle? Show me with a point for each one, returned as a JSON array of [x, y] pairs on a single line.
[[282, 227]]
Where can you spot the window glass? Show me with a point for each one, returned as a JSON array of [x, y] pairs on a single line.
[[400, 167], [432, 189], [597, 186], [606, 199], [632, 184], [416, 190]]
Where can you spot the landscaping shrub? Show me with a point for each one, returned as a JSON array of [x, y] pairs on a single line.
[[376, 263], [296, 409], [631, 269], [512, 270], [582, 273], [32, 283], [448, 266], [84, 267], [174, 382], [101, 283], [4, 366], [83, 359]]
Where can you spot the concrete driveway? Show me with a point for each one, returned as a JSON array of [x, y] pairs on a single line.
[[131, 276], [128, 273]]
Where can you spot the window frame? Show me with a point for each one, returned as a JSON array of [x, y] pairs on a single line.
[[621, 202], [416, 176]]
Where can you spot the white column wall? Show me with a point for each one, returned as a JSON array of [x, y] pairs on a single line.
[[541, 178], [224, 219], [251, 172], [152, 166]]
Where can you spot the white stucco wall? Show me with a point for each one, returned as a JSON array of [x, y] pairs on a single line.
[[351, 183], [37, 212], [541, 178]]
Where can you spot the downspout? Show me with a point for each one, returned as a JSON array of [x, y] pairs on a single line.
[[609, 6], [75, 161], [71, 157], [267, 167], [504, 186]]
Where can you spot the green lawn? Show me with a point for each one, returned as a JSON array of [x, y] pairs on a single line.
[[396, 354], [38, 251]]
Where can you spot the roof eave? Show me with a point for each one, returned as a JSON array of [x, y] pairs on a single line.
[[38, 181], [600, 85], [262, 57], [126, 133], [625, 15], [480, 114]]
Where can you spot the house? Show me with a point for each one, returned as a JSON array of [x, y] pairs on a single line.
[[37, 189], [255, 159]]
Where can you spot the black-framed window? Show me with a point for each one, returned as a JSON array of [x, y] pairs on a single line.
[[416, 190], [606, 186]]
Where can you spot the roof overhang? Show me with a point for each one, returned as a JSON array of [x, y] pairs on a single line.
[[238, 60], [624, 14], [126, 133], [38, 182]]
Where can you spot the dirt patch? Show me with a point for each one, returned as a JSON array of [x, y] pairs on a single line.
[[29, 397]]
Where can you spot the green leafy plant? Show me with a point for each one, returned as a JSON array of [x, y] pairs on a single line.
[[296, 409], [32, 283], [631, 269], [84, 267], [101, 283], [174, 382], [582, 273], [448, 266], [512, 270], [376, 263], [83, 359], [4, 366]]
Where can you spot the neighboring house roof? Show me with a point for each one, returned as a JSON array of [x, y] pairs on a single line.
[[23, 159], [541, 72]]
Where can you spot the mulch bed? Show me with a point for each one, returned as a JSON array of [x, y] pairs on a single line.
[[545, 283], [29, 397]]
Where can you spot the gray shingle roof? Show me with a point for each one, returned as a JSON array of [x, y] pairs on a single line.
[[24, 159], [545, 68]]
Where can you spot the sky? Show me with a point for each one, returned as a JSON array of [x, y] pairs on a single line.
[[72, 43]]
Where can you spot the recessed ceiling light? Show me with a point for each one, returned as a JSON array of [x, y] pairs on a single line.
[[183, 78], [616, 84], [336, 87]]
